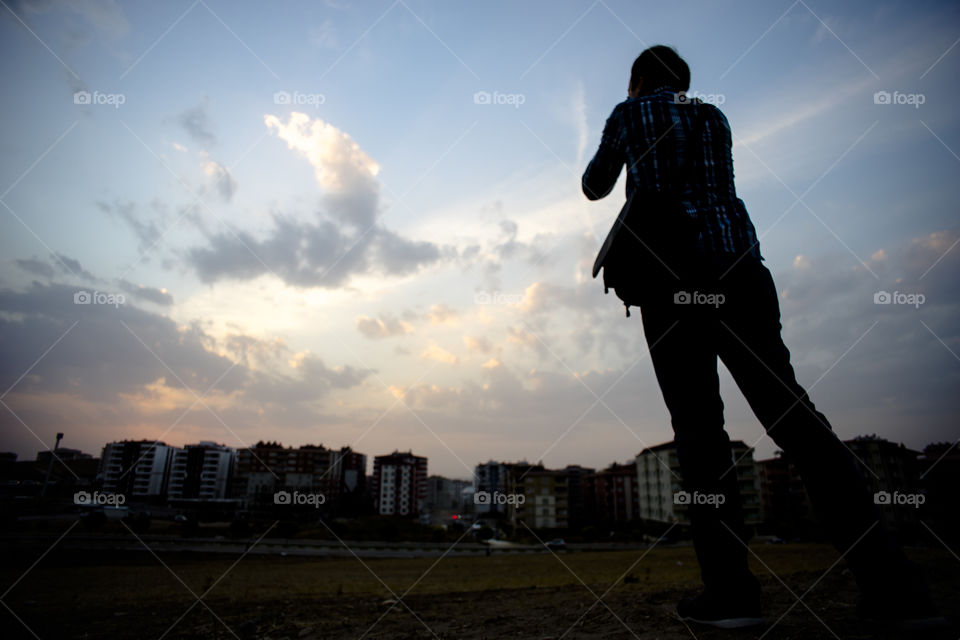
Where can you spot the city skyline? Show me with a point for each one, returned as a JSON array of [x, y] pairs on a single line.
[[363, 225]]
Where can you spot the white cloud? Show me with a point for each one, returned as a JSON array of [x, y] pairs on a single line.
[[221, 178], [434, 352], [383, 326]]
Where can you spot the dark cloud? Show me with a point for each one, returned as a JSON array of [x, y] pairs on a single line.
[[197, 123], [109, 368], [71, 266], [221, 178], [146, 228], [309, 255], [148, 294], [399, 256], [36, 267]]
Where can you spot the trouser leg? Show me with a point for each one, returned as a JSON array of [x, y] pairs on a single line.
[[751, 347], [683, 352]]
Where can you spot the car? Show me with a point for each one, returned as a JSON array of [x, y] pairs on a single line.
[[557, 544]]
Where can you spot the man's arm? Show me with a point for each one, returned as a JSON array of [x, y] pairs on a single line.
[[602, 172]]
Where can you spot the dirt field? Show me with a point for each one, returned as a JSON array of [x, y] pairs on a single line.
[[571, 595]]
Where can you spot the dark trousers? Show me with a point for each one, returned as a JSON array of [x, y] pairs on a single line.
[[688, 325]]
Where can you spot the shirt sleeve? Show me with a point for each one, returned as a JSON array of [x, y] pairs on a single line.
[[602, 172]]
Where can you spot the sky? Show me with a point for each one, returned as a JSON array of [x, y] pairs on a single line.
[[361, 224]]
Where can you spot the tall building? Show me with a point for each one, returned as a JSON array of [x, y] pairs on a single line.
[[617, 493], [490, 478], [580, 496], [784, 503], [399, 484], [546, 496], [660, 482], [939, 480], [893, 469], [445, 494], [135, 468], [352, 496], [202, 471], [268, 468], [63, 454]]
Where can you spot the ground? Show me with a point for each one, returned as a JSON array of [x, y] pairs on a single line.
[[617, 594]]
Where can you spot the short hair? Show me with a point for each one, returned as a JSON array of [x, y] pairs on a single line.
[[660, 66]]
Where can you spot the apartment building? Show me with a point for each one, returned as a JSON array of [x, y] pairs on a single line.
[[399, 484], [135, 468], [202, 471]]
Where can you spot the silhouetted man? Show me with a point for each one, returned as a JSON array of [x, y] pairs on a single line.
[[718, 299]]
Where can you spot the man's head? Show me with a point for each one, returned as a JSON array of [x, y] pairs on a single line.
[[656, 67]]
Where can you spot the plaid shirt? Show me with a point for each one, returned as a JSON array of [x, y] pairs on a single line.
[[649, 134]]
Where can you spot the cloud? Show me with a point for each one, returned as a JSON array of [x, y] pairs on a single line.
[[480, 344], [434, 352], [345, 240], [71, 266], [221, 178], [150, 294], [36, 267], [146, 229], [383, 326], [401, 256], [442, 314], [301, 254], [345, 173], [110, 372], [527, 339], [197, 123]]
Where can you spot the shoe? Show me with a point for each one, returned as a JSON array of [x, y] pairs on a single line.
[[723, 613], [902, 614]]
